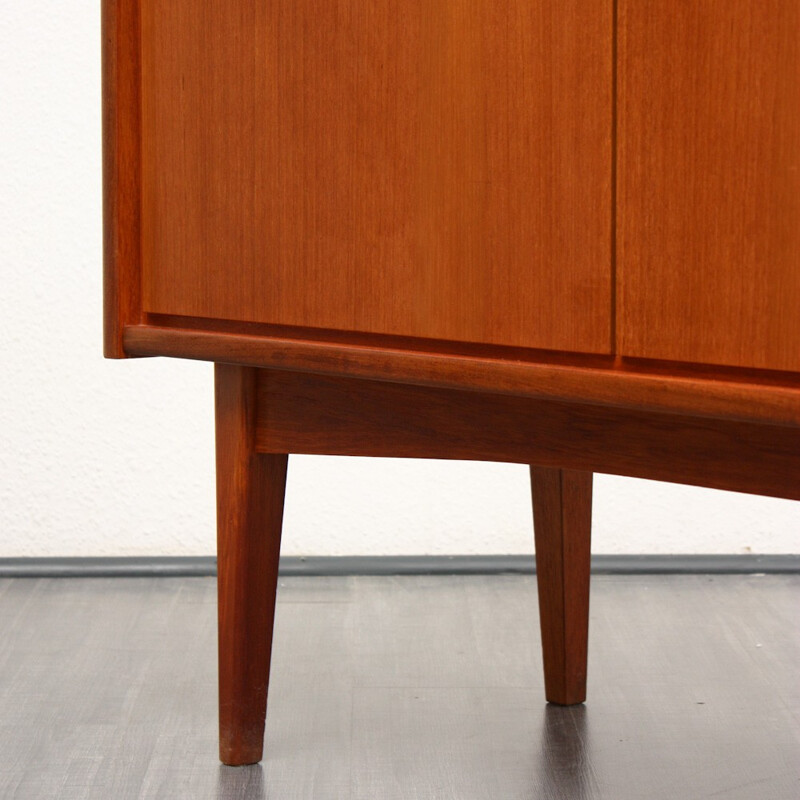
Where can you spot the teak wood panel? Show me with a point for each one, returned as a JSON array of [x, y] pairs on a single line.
[[425, 169], [709, 181]]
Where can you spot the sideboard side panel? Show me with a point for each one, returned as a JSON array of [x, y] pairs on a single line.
[[122, 301]]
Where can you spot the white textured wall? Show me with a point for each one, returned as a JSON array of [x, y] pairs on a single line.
[[113, 458]]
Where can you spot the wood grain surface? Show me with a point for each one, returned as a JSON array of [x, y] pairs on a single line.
[[250, 492], [122, 281], [708, 233], [734, 396], [436, 170], [562, 523], [302, 413]]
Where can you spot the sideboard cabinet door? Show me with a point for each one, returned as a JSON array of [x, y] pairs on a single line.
[[708, 221], [403, 167]]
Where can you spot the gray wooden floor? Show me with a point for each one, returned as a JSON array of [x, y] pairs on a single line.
[[409, 687]]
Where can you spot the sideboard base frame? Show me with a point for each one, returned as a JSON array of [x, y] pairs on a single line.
[[263, 415], [300, 412]]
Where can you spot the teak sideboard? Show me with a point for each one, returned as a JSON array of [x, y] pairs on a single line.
[[563, 233]]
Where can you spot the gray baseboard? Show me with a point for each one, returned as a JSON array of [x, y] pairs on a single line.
[[197, 566]]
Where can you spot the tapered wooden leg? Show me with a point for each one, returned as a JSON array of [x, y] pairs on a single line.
[[562, 522], [250, 493]]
